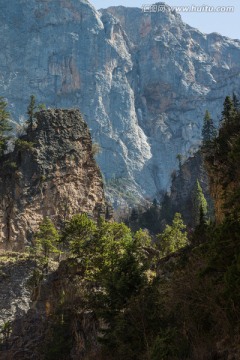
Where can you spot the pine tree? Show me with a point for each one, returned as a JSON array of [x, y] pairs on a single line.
[[208, 131], [31, 111], [236, 102], [79, 236], [179, 157], [199, 204], [229, 111], [134, 215], [47, 237], [4, 125]]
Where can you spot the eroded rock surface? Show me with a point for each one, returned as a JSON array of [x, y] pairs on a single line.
[[142, 80], [51, 173], [15, 270]]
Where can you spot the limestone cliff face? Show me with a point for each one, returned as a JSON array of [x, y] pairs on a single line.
[[55, 176], [178, 73], [142, 80]]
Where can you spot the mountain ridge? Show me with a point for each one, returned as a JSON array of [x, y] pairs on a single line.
[[142, 80]]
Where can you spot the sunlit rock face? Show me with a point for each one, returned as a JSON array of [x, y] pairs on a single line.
[[142, 80], [51, 173]]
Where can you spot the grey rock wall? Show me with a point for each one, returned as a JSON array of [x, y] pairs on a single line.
[[55, 177], [15, 272], [142, 80]]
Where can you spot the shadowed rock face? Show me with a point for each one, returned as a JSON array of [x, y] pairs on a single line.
[[142, 80], [31, 299], [57, 177]]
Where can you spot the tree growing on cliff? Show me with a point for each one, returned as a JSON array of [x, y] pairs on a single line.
[[31, 111], [4, 125], [78, 237], [5, 332], [46, 239], [199, 204], [208, 130], [179, 157]]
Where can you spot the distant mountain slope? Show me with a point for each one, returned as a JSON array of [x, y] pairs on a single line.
[[143, 81]]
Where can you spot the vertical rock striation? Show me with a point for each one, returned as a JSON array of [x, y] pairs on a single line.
[[51, 173], [142, 80]]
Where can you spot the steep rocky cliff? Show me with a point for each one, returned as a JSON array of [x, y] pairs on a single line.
[[143, 81], [51, 172]]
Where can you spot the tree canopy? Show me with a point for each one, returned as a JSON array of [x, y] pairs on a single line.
[[46, 239], [174, 237]]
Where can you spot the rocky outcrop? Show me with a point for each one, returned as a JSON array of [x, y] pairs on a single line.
[[142, 80], [51, 172]]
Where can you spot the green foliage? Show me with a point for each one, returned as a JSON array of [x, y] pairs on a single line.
[[32, 108], [169, 345], [112, 259], [117, 268], [174, 237], [142, 238], [199, 204], [46, 239], [201, 230], [108, 253], [4, 125], [208, 130], [12, 165], [5, 331], [229, 110], [222, 163], [78, 236], [24, 145], [41, 107], [31, 111]]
